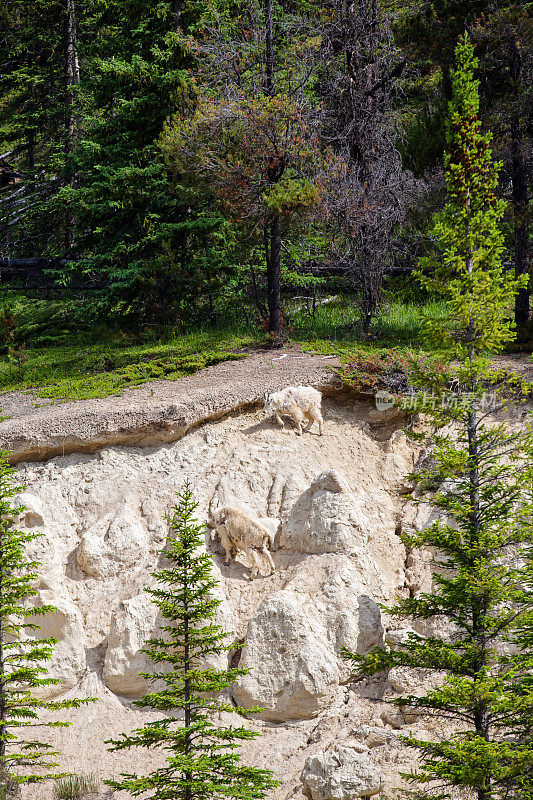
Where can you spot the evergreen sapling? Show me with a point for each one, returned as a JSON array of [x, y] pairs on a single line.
[[23, 656], [483, 472], [202, 760]]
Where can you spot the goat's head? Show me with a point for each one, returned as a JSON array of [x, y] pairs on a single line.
[[268, 405]]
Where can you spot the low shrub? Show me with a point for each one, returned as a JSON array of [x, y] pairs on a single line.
[[72, 787]]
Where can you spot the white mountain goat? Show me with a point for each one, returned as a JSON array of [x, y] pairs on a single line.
[[239, 533], [298, 403]]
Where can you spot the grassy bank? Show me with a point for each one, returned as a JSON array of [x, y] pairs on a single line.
[[45, 356]]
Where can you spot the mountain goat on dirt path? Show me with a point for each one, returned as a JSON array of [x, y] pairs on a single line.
[[298, 403], [239, 533]]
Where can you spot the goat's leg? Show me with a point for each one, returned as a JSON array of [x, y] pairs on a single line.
[[297, 417], [226, 542], [310, 420], [279, 420], [255, 567], [266, 552]]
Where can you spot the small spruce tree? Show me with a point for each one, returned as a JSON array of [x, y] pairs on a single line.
[[23, 656], [483, 472], [203, 762]]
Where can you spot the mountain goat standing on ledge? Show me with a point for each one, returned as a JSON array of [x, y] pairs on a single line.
[[298, 403], [242, 535]]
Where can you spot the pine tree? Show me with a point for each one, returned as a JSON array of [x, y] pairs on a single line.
[[32, 122], [202, 761], [484, 476], [140, 236], [23, 656]]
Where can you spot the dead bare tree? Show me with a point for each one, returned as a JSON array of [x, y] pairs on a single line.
[[364, 69]]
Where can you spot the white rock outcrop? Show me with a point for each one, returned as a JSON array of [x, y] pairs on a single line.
[[31, 510], [293, 672], [65, 624], [115, 542], [295, 639], [334, 507], [325, 519], [343, 772], [132, 624]]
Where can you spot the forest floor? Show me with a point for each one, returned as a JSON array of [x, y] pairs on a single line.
[[42, 361]]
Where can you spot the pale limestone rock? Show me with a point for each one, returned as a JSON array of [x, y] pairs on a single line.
[[388, 417], [293, 487], [334, 585], [378, 737], [330, 575], [114, 543], [325, 519], [132, 623], [65, 624], [391, 715], [293, 672], [409, 680], [33, 514], [418, 572], [295, 639], [342, 772], [416, 682]]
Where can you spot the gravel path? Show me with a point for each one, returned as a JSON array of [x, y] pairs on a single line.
[[160, 411]]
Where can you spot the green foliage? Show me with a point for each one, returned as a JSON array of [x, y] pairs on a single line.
[[467, 270], [8, 323], [75, 787], [398, 325], [483, 598], [479, 479], [229, 146], [99, 361], [135, 231], [79, 371], [202, 761], [290, 196], [32, 120], [23, 654]]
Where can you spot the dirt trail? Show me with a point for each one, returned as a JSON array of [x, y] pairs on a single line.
[[161, 411]]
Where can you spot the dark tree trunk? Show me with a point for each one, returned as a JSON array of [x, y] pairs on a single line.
[[72, 79], [273, 245], [72, 76], [519, 197], [274, 280], [269, 49], [521, 232], [176, 10], [187, 688]]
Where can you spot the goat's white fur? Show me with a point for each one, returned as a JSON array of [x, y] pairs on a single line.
[[254, 559], [297, 402], [239, 532]]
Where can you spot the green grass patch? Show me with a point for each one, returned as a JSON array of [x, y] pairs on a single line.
[[42, 356], [335, 328], [78, 372], [75, 787]]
